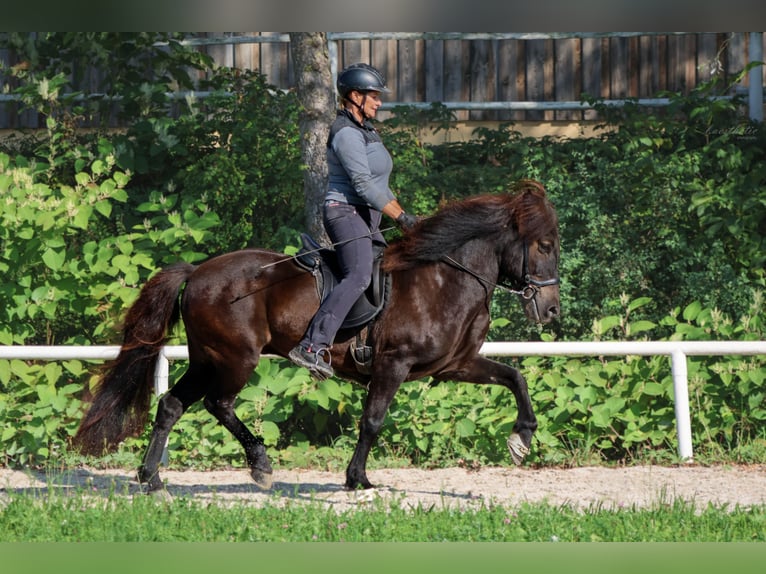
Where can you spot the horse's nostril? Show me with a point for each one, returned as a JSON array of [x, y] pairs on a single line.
[[553, 310]]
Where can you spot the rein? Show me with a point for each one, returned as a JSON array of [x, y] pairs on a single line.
[[531, 287], [294, 257], [320, 248]]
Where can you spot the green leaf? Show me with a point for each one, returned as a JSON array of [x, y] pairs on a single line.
[[331, 388], [121, 262], [82, 216], [54, 259], [609, 322], [121, 179], [692, 310], [640, 302], [82, 178], [601, 416], [465, 427], [269, 432], [103, 207], [640, 326], [5, 372], [653, 389]]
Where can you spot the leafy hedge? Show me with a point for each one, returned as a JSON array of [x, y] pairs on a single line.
[[589, 409], [662, 221]]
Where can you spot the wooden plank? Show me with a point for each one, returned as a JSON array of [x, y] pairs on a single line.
[[535, 76], [618, 56], [577, 72], [707, 57], [271, 65], [244, 54], [591, 71], [222, 53], [549, 87], [689, 44], [506, 76], [634, 58], [407, 71], [482, 77], [521, 77], [736, 57], [606, 56], [383, 57], [647, 67], [675, 64], [420, 74], [564, 77], [454, 79], [350, 52], [662, 60], [434, 70]]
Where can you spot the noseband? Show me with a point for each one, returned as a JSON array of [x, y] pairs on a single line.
[[530, 286]]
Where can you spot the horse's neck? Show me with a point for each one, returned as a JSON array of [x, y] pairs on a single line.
[[480, 257]]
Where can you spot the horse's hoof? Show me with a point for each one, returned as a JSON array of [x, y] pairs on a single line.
[[517, 448], [263, 480], [160, 495], [359, 486]]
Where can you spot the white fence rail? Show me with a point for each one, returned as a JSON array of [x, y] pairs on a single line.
[[676, 350]]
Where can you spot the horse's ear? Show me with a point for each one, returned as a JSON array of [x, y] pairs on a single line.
[[529, 186]]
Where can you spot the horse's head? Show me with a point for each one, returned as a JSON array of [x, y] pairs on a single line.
[[531, 259], [521, 228]]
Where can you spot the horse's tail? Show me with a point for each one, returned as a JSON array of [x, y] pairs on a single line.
[[120, 406]]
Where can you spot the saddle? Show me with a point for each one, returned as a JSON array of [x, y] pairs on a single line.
[[322, 262]]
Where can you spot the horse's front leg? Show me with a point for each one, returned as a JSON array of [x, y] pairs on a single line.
[[379, 397], [484, 371]]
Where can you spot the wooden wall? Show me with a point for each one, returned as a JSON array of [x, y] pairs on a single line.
[[494, 67]]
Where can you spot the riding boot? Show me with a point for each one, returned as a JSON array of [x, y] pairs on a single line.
[[312, 360]]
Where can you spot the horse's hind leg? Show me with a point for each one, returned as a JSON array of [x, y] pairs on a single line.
[[187, 391], [222, 408]]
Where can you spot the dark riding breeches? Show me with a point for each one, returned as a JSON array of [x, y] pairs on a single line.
[[350, 234]]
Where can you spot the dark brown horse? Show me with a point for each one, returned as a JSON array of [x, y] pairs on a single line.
[[241, 305]]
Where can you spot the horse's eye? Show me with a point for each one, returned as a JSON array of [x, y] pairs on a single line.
[[545, 246]]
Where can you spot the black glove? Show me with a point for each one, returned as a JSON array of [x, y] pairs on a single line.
[[406, 221]]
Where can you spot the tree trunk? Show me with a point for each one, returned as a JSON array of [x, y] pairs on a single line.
[[315, 92]]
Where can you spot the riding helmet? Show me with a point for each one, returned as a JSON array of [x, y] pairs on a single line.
[[361, 77]]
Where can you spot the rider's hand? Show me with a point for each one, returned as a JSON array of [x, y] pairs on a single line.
[[406, 221]]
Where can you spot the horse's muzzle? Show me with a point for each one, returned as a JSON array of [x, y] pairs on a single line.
[[544, 306]]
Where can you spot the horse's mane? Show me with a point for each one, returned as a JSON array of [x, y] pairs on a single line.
[[525, 210]]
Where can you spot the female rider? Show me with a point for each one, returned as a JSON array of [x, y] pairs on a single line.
[[357, 195]]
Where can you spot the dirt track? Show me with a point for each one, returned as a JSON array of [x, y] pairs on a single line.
[[455, 487]]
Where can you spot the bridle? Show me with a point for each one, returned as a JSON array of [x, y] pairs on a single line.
[[530, 286]]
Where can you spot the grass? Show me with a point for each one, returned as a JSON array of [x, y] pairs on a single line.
[[79, 517]]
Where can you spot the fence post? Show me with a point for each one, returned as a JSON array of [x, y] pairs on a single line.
[[681, 400], [161, 375]]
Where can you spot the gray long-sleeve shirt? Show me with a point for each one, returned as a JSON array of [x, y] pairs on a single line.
[[359, 165]]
